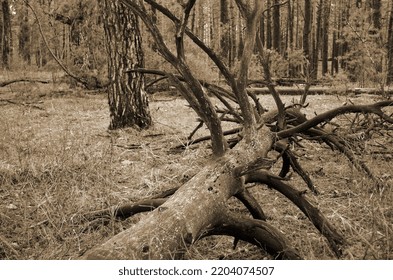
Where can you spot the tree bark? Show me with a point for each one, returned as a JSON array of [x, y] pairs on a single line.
[[318, 40], [325, 36], [334, 64], [224, 27], [24, 35], [128, 102], [389, 79], [276, 26], [376, 6], [269, 25], [6, 34], [307, 35], [178, 221]]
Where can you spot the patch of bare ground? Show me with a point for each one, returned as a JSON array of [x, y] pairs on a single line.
[[59, 161]]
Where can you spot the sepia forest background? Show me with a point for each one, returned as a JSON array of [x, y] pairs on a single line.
[[344, 41]]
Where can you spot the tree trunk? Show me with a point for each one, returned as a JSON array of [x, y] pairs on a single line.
[[232, 36], [344, 46], [376, 14], [291, 18], [201, 22], [6, 35], [307, 33], [334, 64], [292, 69], [389, 79], [325, 36], [269, 25], [318, 40], [262, 30], [276, 27], [240, 35], [224, 27], [199, 205], [24, 35], [128, 101]]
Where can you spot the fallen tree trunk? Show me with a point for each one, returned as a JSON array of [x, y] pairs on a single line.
[[198, 207], [201, 206], [318, 90], [6, 83]]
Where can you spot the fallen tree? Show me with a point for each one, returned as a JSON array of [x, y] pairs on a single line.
[[199, 208], [22, 80]]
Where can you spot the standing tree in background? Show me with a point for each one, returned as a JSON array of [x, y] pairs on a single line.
[[128, 101], [268, 25], [307, 31], [389, 79], [376, 14], [6, 35], [325, 35], [24, 34], [316, 41], [276, 26], [224, 22]]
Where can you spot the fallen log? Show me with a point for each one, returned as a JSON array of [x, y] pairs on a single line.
[[9, 82], [198, 207], [318, 91]]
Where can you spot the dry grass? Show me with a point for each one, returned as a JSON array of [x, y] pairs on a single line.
[[60, 161]]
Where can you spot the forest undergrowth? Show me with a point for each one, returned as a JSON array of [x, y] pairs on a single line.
[[58, 161]]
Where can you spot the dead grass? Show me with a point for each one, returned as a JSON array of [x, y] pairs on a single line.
[[60, 161]]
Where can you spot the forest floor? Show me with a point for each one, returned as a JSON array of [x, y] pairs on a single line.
[[58, 161]]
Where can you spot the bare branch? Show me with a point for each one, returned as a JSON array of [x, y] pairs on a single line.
[[359, 165], [181, 29], [290, 160], [251, 204], [217, 91], [371, 108], [204, 108], [273, 6], [335, 239], [252, 17], [264, 59], [229, 77], [256, 232], [6, 83]]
